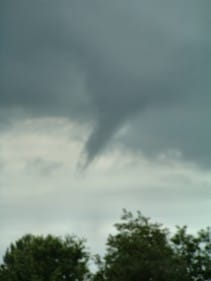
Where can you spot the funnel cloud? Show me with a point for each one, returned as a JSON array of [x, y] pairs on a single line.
[[108, 64]]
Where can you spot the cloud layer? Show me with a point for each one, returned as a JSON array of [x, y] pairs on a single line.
[[41, 194], [108, 64]]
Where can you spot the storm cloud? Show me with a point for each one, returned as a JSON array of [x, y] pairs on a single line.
[[109, 64]]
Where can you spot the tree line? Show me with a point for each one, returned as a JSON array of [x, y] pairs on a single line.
[[140, 250]]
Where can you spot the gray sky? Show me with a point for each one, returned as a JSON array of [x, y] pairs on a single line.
[[104, 105]]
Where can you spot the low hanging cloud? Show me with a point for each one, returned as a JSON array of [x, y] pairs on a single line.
[[106, 64]]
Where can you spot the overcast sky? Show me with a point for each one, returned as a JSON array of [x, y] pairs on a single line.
[[104, 105]]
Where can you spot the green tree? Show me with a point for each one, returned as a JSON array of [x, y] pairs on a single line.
[[38, 258], [140, 251], [195, 251], [145, 251]]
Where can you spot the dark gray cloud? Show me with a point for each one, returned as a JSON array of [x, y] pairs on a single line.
[[184, 128], [105, 62]]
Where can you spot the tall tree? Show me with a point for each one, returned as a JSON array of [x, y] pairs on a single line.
[[145, 251], [140, 251], [195, 250], [38, 258]]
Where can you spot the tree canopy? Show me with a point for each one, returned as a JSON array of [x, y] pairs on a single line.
[[38, 258], [195, 250], [138, 251]]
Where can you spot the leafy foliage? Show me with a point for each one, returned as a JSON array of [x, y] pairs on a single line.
[[38, 258], [144, 251], [139, 251], [195, 250]]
